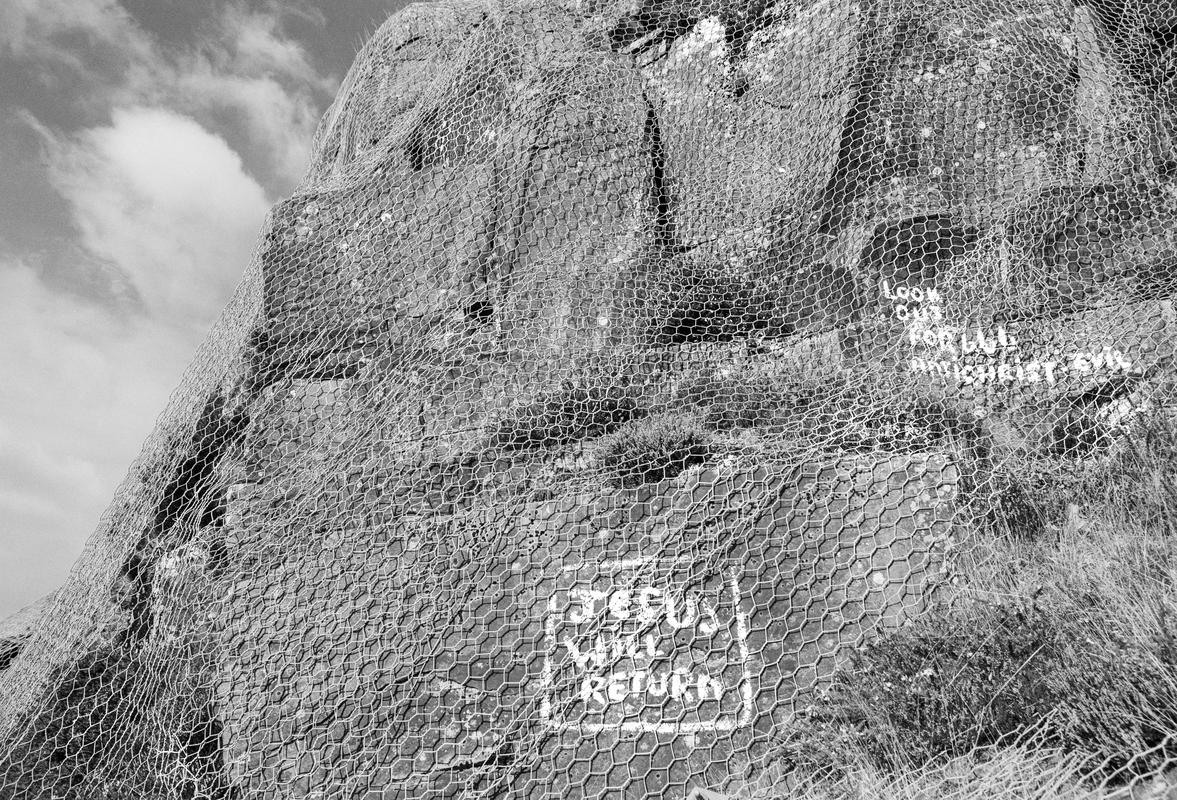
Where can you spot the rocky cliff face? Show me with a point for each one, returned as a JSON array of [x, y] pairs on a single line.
[[15, 630], [615, 368]]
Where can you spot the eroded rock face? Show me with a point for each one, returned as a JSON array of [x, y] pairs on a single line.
[[667, 630], [392, 77], [15, 630], [752, 136], [362, 567], [479, 248]]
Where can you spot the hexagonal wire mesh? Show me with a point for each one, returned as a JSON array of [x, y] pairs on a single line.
[[644, 398]]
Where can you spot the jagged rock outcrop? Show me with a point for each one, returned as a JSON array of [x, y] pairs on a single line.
[[15, 630], [614, 370]]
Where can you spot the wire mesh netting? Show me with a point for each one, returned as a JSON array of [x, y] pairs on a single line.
[[662, 399]]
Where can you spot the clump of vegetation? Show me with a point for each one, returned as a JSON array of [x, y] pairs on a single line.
[[1079, 433], [1138, 478], [1018, 500], [1133, 475], [1024, 495], [653, 449], [577, 410], [989, 674], [915, 421], [1000, 280], [1026, 771], [1073, 644]]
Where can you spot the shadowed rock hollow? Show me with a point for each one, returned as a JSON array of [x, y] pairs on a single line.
[[614, 369]]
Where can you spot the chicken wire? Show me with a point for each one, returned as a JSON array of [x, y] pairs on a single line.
[[615, 370]]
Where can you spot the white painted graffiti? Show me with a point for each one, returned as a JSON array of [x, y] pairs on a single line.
[[646, 605], [629, 646], [677, 684], [1078, 363], [912, 294], [622, 609], [977, 355]]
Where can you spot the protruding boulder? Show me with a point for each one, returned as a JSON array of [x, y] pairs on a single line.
[[751, 136], [393, 81]]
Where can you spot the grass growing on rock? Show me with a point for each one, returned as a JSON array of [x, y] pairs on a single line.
[[1070, 644], [1133, 477], [1024, 771], [653, 449]]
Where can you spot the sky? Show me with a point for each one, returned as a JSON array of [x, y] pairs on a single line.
[[141, 144]]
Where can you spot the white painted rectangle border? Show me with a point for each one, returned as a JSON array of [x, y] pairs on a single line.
[[642, 726]]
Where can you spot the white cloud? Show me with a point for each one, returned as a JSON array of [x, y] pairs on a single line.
[[279, 124], [170, 208], [258, 47], [33, 29], [81, 393], [248, 70], [251, 71], [169, 204]]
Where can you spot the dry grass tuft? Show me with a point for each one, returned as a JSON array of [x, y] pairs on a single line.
[[1051, 674]]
